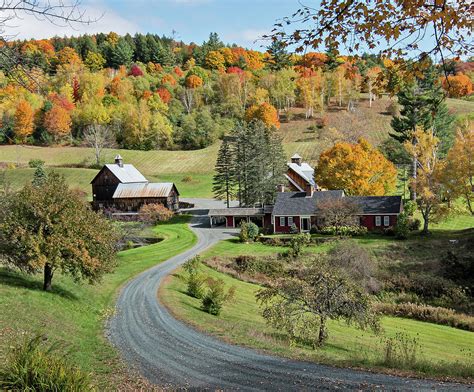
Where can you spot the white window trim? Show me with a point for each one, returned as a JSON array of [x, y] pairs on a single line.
[[386, 221], [282, 221], [378, 220], [290, 221]]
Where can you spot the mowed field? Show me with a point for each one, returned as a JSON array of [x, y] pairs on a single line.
[[192, 171]]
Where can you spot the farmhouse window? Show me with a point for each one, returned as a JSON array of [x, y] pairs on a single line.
[[378, 221], [386, 221], [290, 220], [282, 221]]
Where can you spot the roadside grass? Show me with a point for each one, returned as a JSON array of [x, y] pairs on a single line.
[[445, 351], [75, 313]]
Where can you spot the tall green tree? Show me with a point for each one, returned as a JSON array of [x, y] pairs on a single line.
[[224, 184], [50, 227], [279, 56]]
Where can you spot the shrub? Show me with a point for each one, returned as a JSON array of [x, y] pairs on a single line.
[[322, 122], [431, 314], [343, 230], [297, 243], [414, 224], [265, 265], [31, 366], [401, 351], [187, 179], [154, 213], [194, 281], [216, 296], [402, 227], [248, 232], [35, 163], [294, 229]]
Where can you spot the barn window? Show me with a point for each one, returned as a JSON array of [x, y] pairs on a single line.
[[290, 220], [386, 221], [378, 221], [282, 221]]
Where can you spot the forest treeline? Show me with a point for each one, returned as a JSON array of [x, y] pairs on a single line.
[[152, 92]]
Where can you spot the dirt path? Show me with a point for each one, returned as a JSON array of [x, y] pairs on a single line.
[[173, 355]]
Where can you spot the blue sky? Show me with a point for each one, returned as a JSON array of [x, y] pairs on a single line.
[[239, 21]]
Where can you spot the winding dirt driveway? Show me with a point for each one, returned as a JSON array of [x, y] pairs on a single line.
[[173, 355]]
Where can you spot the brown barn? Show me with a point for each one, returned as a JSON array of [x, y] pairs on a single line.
[[123, 187]]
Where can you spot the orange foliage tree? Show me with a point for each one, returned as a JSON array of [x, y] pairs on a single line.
[[57, 121], [358, 169], [193, 81], [264, 112], [215, 60], [68, 55], [458, 85], [164, 94], [24, 120], [168, 79]]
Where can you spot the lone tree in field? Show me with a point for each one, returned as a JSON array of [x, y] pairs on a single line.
[[50, 227], [303, 303]]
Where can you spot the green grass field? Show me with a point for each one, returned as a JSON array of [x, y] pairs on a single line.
[[444, 350], [75, 313]]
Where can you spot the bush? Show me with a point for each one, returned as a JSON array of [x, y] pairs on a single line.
[[154, 213], [248, 232], [401, 351], [35, 163], [322, 122], [414, 224], [215, 296], [343, 230], [251, 265], [30, 366], [187, 179], [194, 281], [431, 314], [392, 108], [402, 227], [297, 243]]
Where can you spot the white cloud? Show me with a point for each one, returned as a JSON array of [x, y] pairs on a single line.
[[31, 27], [249, 37]]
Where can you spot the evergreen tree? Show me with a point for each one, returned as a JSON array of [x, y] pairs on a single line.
[[121, 54], [279, 57], [224, 184], [39, 176], [142, 51]]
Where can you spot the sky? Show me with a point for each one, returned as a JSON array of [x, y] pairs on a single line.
[[236, 21]]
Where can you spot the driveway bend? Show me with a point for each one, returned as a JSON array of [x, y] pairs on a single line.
[[173, 355]]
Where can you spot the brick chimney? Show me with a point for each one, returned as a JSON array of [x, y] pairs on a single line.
[[119, 160], [296, 159]]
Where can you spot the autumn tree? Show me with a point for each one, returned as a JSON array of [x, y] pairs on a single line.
[[283, 90], [400, 25], [215, 60], [322, 289], [311, 92], [24, 120], [52, 228], [57, 122], [358, 169], [264, 112], [458, 173], [428, 183], [278, 56], [94, 61], [372, 76], [339, 212], [458, 85]]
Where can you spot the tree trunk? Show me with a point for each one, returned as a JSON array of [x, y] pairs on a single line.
[[413, 188], [48, 277], [322, 331], [425, 226]]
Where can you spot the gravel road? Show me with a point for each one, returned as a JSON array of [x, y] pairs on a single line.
[[173, 355]]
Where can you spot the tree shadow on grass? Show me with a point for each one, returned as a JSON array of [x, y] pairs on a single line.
[[12, 278]]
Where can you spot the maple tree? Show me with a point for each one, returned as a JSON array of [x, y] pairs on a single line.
[[264, 112], [68, 55], [215, 60], [193, 81], [24, 120], [164, 94], [57, 122], [458, 85], [358, 169], [94, 61]]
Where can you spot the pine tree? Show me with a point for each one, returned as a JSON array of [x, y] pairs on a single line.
[[279, 57], [224, 184], [39, 176]]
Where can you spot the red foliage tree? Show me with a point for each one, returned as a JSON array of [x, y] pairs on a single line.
[[164, 94], [135, 71]]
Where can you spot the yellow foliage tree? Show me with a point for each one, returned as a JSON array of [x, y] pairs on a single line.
[[24, 120], [429, 177], [358, 169], [215, 60], [264, 112]]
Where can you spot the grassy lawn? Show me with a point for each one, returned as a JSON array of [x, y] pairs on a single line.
[[444, 350], [75, 313]]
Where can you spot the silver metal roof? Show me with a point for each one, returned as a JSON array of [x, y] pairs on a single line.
[[137, 190], [126, 173], [304, 170]]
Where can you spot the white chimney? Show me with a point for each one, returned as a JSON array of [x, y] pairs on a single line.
[[119, 160]]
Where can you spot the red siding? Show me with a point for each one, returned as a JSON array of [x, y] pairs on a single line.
[[369, 222], [286, 227]]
